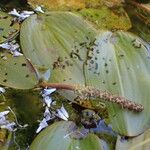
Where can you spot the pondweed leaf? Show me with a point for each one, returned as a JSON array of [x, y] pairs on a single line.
[[141, 142], [16, 72], [117, 62], [59, 41], [7, 29], [120, 63], [68, 136]]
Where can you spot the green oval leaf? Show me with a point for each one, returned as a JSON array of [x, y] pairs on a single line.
[[62, 132], [7, 29], [141, 142], [120, 63], [59, 41], [16, 72]]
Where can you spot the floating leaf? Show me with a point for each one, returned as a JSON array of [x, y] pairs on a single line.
[[141, 142], [120, 63], [74, 4], [58, 40], [64, 132], [16, 72], [7, 29], [116, 62]]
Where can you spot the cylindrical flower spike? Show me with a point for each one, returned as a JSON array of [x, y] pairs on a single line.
[[88, 92], [91, 92]]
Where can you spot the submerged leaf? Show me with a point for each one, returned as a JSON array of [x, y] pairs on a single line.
[[16, 72], [106, 18], [65, 4], [140, 19], [74, 4]]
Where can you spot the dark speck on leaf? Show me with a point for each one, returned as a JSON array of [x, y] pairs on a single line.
[[15, 63], [75, 55], [92, 61], [97, 51], [77, 51], [121, 55], [5, 37], [96, 66], [6, 74], [24, 64], [1, 29], [105, 64], [114, 83], [75, 46], [87, 37], [60, 59], [103, 82], [4, 80], [63, 67], [27, 76], [107, 71], [82, 44], [124, 138]]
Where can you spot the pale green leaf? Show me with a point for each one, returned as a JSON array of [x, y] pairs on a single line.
[[120, 63], [59, 41], [63, 132], [16, 72], [7, 29], [140, 18], [141, 142]]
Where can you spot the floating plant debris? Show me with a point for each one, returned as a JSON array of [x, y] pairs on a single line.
[[13, 47], [2, 90]]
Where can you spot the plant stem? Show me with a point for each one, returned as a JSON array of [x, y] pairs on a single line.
[[57, 86], [88, 92]]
